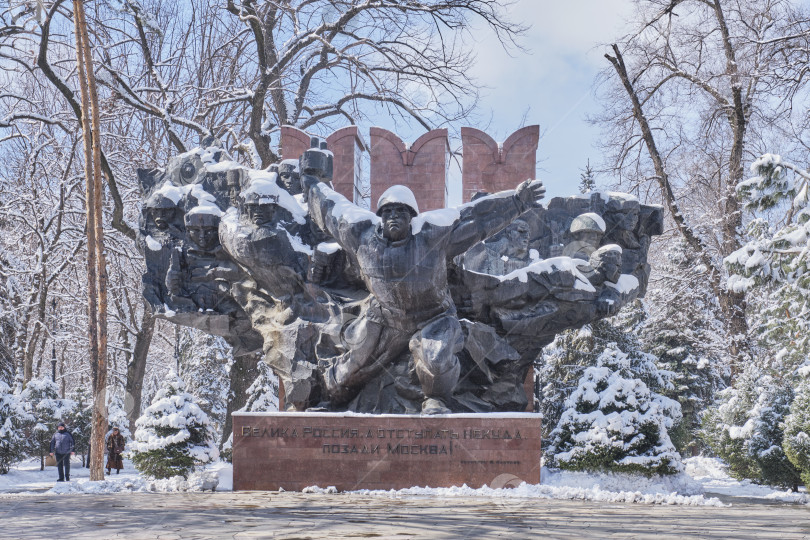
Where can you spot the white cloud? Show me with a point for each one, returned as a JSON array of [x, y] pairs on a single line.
[[552, 80]]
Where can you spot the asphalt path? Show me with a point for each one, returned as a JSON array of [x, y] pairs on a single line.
[[301, 516]]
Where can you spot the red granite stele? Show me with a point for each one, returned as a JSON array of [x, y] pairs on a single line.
[[296, 450]]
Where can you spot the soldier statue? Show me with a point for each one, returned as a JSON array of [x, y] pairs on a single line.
[[405, 269]]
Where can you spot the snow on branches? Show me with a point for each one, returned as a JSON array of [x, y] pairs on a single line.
[[613, 422], [174, 435]]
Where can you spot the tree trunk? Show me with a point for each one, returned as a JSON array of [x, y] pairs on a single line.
[[731, 304], [243, 372], [136, 369], [96, 260]]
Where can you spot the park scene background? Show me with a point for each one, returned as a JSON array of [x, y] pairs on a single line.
[[700, 107]]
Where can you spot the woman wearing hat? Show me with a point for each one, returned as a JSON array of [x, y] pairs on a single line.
[[115, 447]]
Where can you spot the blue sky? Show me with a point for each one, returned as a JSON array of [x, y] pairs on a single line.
[[552, 83]]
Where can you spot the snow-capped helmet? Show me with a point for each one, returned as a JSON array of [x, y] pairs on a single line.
[[201, 219], [158, 200], [288, 166], [589, 222], [398, 195], [251, 196]]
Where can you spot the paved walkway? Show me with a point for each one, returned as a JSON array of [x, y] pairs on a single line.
[[299, 516]]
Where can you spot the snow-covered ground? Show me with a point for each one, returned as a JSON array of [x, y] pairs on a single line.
[[27, 479], [711, 474], [704, 480]]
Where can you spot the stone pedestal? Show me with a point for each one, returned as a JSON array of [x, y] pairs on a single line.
[[296, 450]]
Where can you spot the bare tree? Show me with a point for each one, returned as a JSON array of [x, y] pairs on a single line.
[[694, 92], [242, 73], [96, 257], [169, 73]]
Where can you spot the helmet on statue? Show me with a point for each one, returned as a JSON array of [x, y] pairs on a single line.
[[398, 195]]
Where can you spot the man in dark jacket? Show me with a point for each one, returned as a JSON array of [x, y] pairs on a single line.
[[62, 446]]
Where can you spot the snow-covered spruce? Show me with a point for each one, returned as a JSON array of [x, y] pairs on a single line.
[[116, 412], [204, 361], [263, 393], [613, 422], [684, 330], [566, 358], [744, 428], [262, 397], [13, 418], [174, 435], [81, 420], [774, 262], [796, 442], [41, 399]]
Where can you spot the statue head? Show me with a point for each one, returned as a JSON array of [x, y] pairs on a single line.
[[202, 230], [289, 177], [397, 207], [162, 210], [607, 262], [628, 220], [259, 209], [516, 239], [233, 182], [622, 213], [588, 228]]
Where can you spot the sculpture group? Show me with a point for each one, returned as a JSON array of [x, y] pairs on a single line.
[[389, 312]]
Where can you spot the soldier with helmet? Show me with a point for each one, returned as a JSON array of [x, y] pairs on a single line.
[[405, 269], [291, 316], [258, 209], [289, 176], [200, 274], [161, 216], [159, 233], [586, 232]]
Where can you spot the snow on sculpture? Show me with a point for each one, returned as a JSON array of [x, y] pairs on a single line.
[[393, 312]]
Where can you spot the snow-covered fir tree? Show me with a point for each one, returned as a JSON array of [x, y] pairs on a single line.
[[684, 331], [796, 442], [564, 361], [204, 361], [13, 418], [6, 356], [744, 428], [116, 412], [174, 435], [774, 263], [262, 397], [613, 422], [47, 409], [772, 267], [263, 393], [80, 421], [587, 181]]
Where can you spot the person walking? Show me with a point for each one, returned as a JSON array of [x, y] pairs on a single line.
[[115, 447], [62, 446]]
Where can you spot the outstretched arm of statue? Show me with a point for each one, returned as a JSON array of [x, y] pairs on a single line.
[[489, 215], [342, 219]]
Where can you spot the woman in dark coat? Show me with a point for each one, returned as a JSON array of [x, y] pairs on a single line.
[[115, 447]]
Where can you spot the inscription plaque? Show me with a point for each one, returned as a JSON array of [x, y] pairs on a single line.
[[296, 450]]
